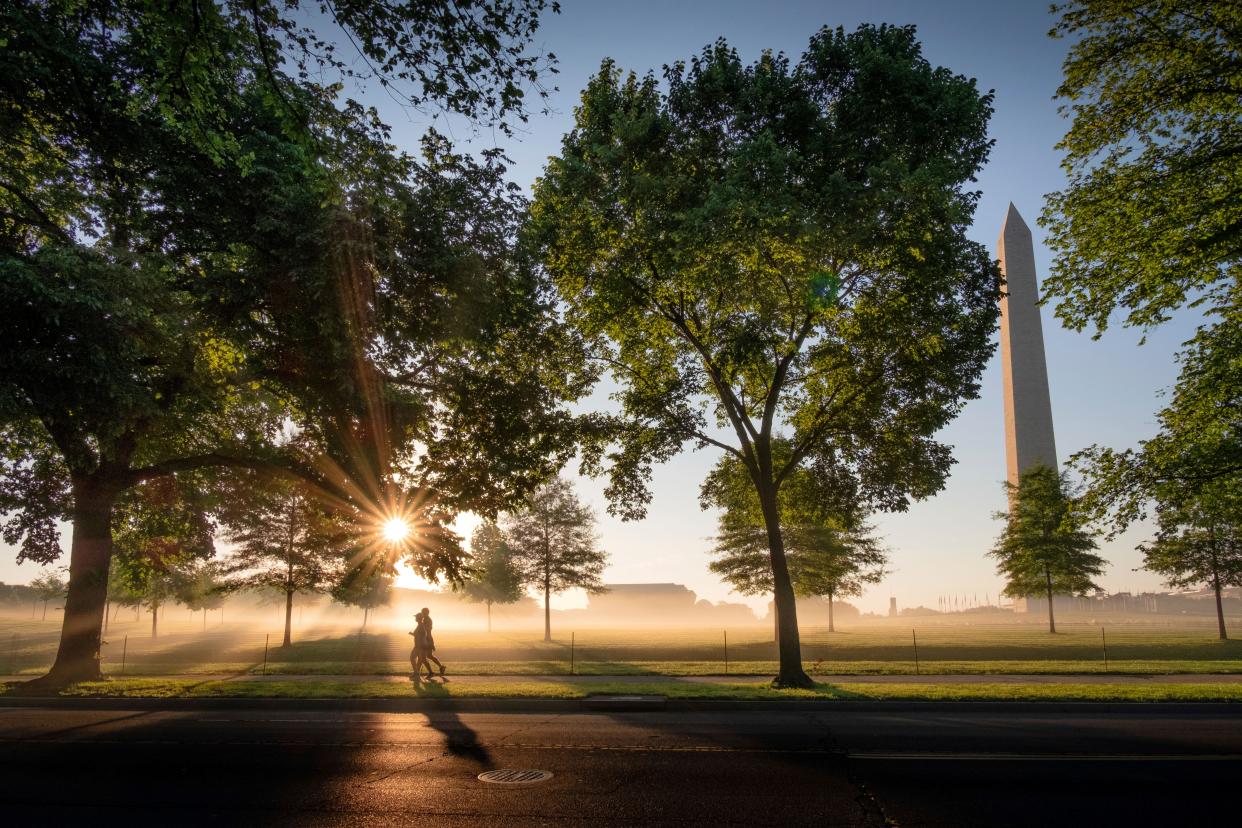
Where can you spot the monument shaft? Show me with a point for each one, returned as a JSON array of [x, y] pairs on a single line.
[[1028, 409]]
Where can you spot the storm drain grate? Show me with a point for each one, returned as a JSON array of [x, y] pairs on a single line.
[[515, 777]]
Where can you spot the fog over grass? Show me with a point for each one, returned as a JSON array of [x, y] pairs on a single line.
[[328, 639]]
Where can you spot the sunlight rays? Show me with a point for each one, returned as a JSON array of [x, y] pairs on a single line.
[[395, 529]]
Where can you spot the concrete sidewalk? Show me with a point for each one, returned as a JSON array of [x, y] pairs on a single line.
[[1090, 678], [587, 681]]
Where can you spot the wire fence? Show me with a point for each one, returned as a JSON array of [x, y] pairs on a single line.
[[130, 649]]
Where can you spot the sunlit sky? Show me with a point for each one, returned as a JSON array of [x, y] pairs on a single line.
[[1103, 391]]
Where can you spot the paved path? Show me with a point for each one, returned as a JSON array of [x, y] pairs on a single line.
[[1231, 678], [468, 680], [110, 766]]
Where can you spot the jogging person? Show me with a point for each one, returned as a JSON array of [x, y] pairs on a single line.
[[431, 642], [418, 655]]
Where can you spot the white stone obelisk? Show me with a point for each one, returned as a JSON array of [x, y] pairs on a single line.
[[1028, 409]]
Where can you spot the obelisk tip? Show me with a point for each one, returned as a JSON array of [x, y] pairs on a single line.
[[1013, 218]]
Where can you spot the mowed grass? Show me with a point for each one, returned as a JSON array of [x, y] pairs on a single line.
[[1134, 646], [551, 689], [681, 668]]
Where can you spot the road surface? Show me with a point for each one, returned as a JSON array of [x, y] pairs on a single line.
[[103, 767]]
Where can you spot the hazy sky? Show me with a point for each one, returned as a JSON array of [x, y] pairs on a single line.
[[1102, 391]]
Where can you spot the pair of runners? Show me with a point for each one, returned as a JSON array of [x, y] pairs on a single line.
[[424, 646]]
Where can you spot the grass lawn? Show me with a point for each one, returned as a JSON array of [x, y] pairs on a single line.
[[1136, 646], [517, 688], [679, 668]]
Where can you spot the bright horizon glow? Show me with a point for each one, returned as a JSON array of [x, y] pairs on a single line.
[[396, 530]]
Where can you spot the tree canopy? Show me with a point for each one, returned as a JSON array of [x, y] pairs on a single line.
[[775, 247], [1149, 222], [1044, 548], [553, 544], [162, 533], [284, 539], [48, 586], [199, 251], [1199, 543], [494, 577], [366, 583], [832, 552]]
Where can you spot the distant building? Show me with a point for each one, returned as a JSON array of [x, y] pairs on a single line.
[[1196, 602], [653, 597], [892, 607], [625, 605]]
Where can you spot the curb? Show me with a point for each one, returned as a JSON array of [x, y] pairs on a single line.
[[307, 705], [644, 704]]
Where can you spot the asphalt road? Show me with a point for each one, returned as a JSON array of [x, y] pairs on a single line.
[[103, 767]]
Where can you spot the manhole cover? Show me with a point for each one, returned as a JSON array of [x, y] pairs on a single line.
[[515, 777]]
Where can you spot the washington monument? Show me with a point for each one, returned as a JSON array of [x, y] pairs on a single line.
[[1028, 411]]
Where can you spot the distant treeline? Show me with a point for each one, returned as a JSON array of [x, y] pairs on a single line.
[[16, 594]]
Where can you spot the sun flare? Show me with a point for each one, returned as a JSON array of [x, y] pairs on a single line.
[[396, 529]]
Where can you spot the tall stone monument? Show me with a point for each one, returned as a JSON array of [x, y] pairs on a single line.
[[1028, 411]]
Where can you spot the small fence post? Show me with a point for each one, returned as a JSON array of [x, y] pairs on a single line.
[[572, 636], [124, 651], [1104, 644], [266, 640], [916, 651], [726, 651]]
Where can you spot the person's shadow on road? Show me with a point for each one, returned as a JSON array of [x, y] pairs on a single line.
[[459, 738]]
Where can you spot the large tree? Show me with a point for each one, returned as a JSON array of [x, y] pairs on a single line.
[[161, 533], [779, 248], [1044, 548], [284, 540], [1199, 543], [1149, 221], [553, 545], [1199, 443], [494, 579], [197, 249]]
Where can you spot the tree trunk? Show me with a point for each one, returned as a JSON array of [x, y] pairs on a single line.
[[107, 609], [788, 642], [489, 616], [831, 628], [1220, 610], [155, 616], [547, 610], [44, 618], [289, 575], [204, 619], [1052, 621], [366, 611], [77, 657]]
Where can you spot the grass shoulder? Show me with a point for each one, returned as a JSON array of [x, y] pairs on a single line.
[[552, 688]]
